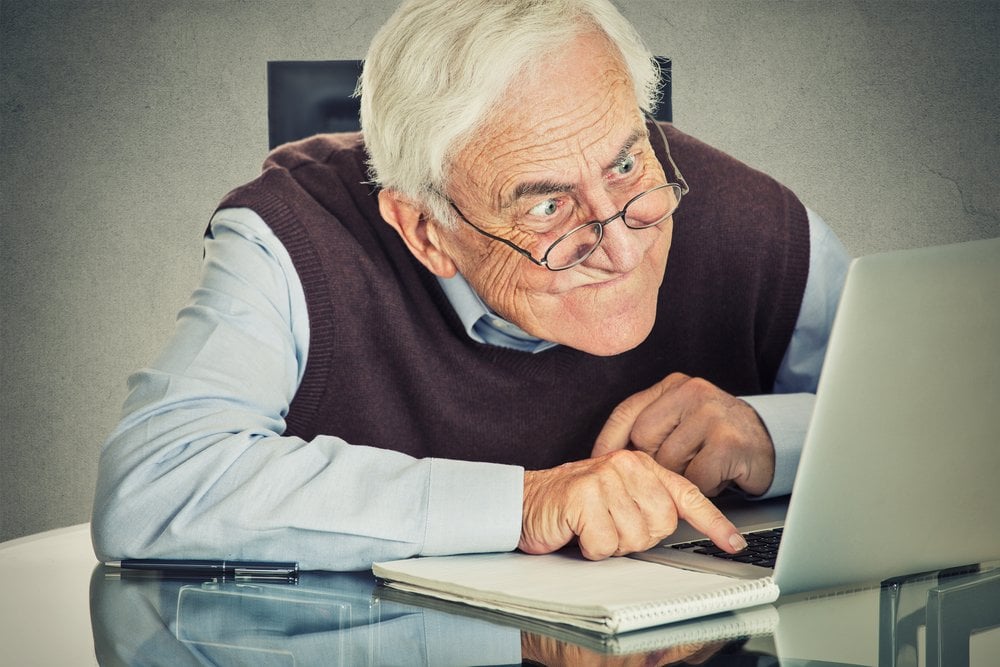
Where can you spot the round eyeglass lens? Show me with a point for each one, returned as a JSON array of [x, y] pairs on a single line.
[[574, 248], [653, 207]]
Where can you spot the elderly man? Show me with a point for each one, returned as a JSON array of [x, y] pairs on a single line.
[[500, 317]]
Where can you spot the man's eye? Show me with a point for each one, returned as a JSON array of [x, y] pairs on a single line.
[[545, 209], [625, 166]]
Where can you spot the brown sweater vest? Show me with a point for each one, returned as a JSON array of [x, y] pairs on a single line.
[[391, 366]]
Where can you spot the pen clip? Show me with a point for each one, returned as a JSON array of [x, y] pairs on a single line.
[[261, 573]]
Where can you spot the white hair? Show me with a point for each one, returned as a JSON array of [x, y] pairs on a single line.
[[437, 68]]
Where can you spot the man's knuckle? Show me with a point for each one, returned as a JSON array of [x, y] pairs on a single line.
[[700, 387], [594, 548], [718, 522], [626, 411], [690, 496], [589, 488], [619, 415], [624, 458], [728, 436], [665, 522]]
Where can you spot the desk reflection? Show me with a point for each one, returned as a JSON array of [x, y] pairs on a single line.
[[347, 619]]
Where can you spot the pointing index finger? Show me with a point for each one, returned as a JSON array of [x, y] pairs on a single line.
[[702, 514]]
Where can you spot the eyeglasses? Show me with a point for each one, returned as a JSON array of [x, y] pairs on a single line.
[[644, 210], [647, 209]]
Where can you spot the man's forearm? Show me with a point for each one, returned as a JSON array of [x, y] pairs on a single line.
[[325, 503]]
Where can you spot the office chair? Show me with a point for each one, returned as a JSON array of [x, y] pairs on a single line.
[[307, 97]]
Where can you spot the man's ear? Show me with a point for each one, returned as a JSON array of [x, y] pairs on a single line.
[[419, 234]]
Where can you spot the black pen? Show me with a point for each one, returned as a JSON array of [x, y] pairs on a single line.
[[235, 570]]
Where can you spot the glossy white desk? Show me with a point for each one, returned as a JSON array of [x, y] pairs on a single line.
[[45, 598], [57, 601]]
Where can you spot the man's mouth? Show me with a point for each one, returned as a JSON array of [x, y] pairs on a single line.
[[610, 281]]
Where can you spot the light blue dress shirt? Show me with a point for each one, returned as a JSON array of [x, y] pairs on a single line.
[[198, 464]]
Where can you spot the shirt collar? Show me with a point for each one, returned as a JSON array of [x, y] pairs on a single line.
[[482, 324]]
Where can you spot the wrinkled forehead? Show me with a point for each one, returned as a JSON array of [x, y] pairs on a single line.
[[571, 114]]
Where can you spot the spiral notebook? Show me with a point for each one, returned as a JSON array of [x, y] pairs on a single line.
[[735, 626], [608, 597]]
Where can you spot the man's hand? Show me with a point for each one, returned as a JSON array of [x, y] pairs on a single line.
[[615, 504], [545, 650], [695, 429]]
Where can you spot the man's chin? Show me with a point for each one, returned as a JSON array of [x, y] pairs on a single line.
[[605, 320], [613, 336], [611, 349]]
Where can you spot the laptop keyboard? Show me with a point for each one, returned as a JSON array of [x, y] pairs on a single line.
[[762, 548]]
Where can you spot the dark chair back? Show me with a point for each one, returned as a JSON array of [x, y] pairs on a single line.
[[307, 97]]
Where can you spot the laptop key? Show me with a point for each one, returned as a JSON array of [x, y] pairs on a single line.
[[711, 551], [762, 548], [753, 559]]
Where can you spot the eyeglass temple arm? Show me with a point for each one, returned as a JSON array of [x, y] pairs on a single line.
[[670, 158], [509, 244]]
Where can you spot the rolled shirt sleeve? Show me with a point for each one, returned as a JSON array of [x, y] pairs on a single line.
[[199, 465]]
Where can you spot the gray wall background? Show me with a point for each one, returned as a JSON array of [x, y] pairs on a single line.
[[124, 122]]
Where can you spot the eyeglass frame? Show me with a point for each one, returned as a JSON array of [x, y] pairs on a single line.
[[682, 184]]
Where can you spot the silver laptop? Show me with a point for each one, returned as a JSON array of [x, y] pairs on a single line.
[[900, 473]]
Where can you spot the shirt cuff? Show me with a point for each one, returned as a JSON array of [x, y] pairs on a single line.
[[786, 417], [473, 507]]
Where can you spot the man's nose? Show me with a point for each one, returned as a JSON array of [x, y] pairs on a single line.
[[622, 248]]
